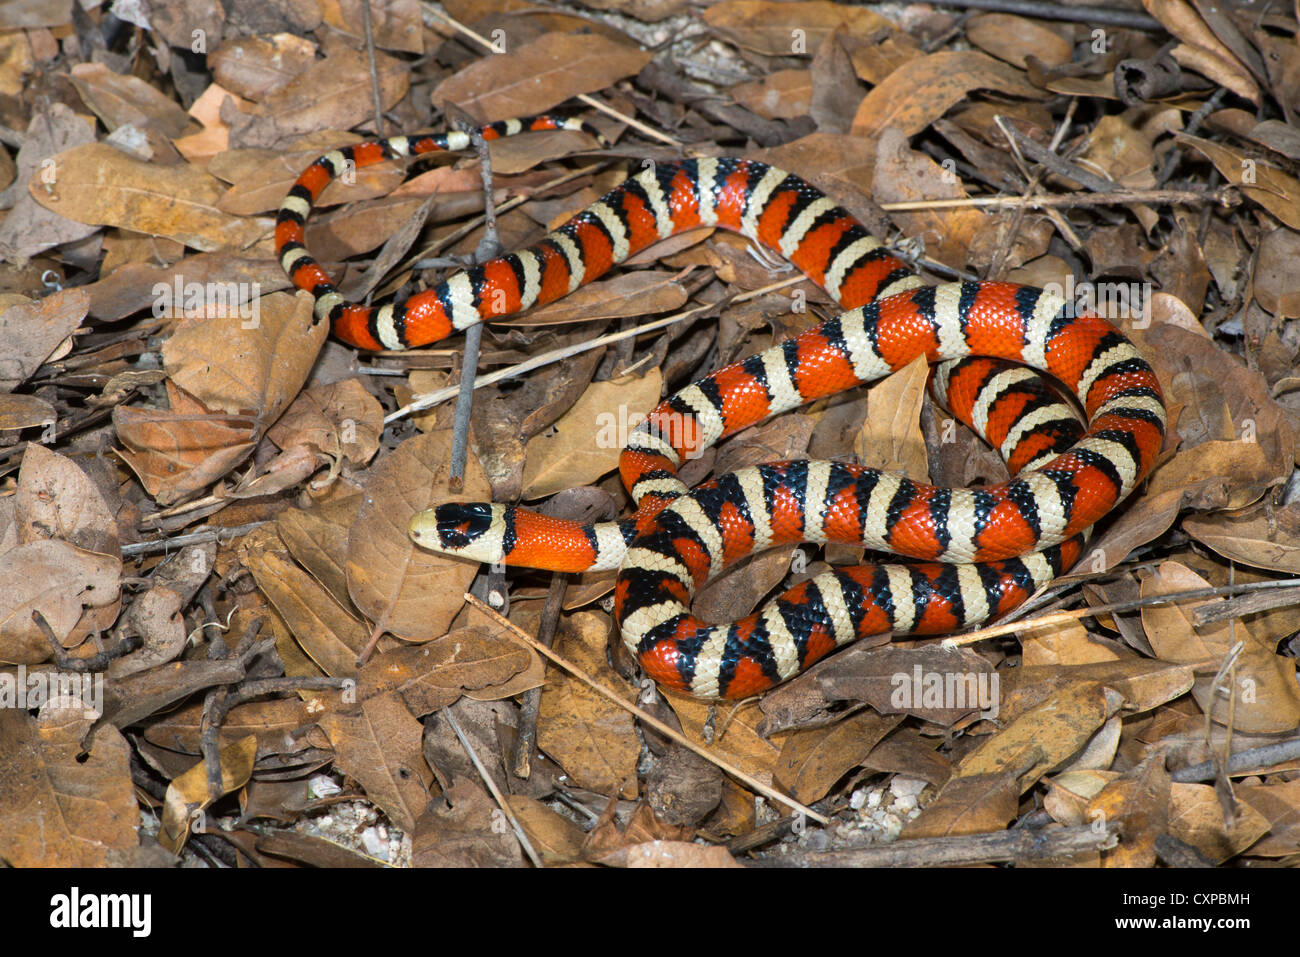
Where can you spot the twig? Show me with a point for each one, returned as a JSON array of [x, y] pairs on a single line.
[[1103, 16], [1032, 189], [1061, 617], [526, 734], [1251, 759], [488, 247], [1014, 845], [752, 783], [765, 132], [369, 32], [496, 792], [1248, 604], [1190, 128], [1059, 164], [215, 706], [82, 665], [774, 830], [1224, 196], [192, 538], [430, 399]]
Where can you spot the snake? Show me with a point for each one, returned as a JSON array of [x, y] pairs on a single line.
[[977, 553]]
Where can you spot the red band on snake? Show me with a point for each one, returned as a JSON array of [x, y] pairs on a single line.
[[985, 550]]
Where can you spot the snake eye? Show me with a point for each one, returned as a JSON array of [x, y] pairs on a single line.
[[460, 524]]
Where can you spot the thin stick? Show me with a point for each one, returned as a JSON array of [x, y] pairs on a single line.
[[1014, 845], [1251, 759], [489, 246], [192, 538], [368, 30], [1062, 617], [530, 701], [430, 399], [752, 783], [492, 786], [1174, 197], [1104, 16], [590, 101]]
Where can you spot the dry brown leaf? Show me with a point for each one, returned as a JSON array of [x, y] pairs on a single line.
[[737, 739], [975, 804], [1276, 191], [1267, 696], [248, 366], [1042, 738], [738, 590], [324, 95], [56, 499], [922, 90], [56, 579], [125, 100], [403, 589], [907, 753], [472, 832], [1139, 802], [435, 674], [179, 451], [29, 227], [891, 439], [931, 682], [1264, 536], [31, 331], [255, 66], [102, 186], [381, 746], [61, 809], [1144, 684], [586, 441], [555, 838], [131, 287], [1014, 39], [593, 739], [24, 412], [812, 761], [1276, 283], [783, 29], [395, 24], [539, 75], [903, 175], [1197, 818], [1066, 643], [328, 633], [318, 539], [339, 420], [273, 722], [1201, 49], [188, 795], [1280, 806]]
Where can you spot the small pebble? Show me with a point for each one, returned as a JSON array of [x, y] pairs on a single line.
[[374, 840]]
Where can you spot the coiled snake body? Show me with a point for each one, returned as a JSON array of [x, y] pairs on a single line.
[[983, 551]]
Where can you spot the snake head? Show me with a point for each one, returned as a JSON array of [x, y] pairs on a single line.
[[466, 529]]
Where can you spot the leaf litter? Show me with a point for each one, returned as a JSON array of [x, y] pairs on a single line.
[[203, 501]]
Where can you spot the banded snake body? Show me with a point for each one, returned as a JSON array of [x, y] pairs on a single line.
[[982, 551]]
